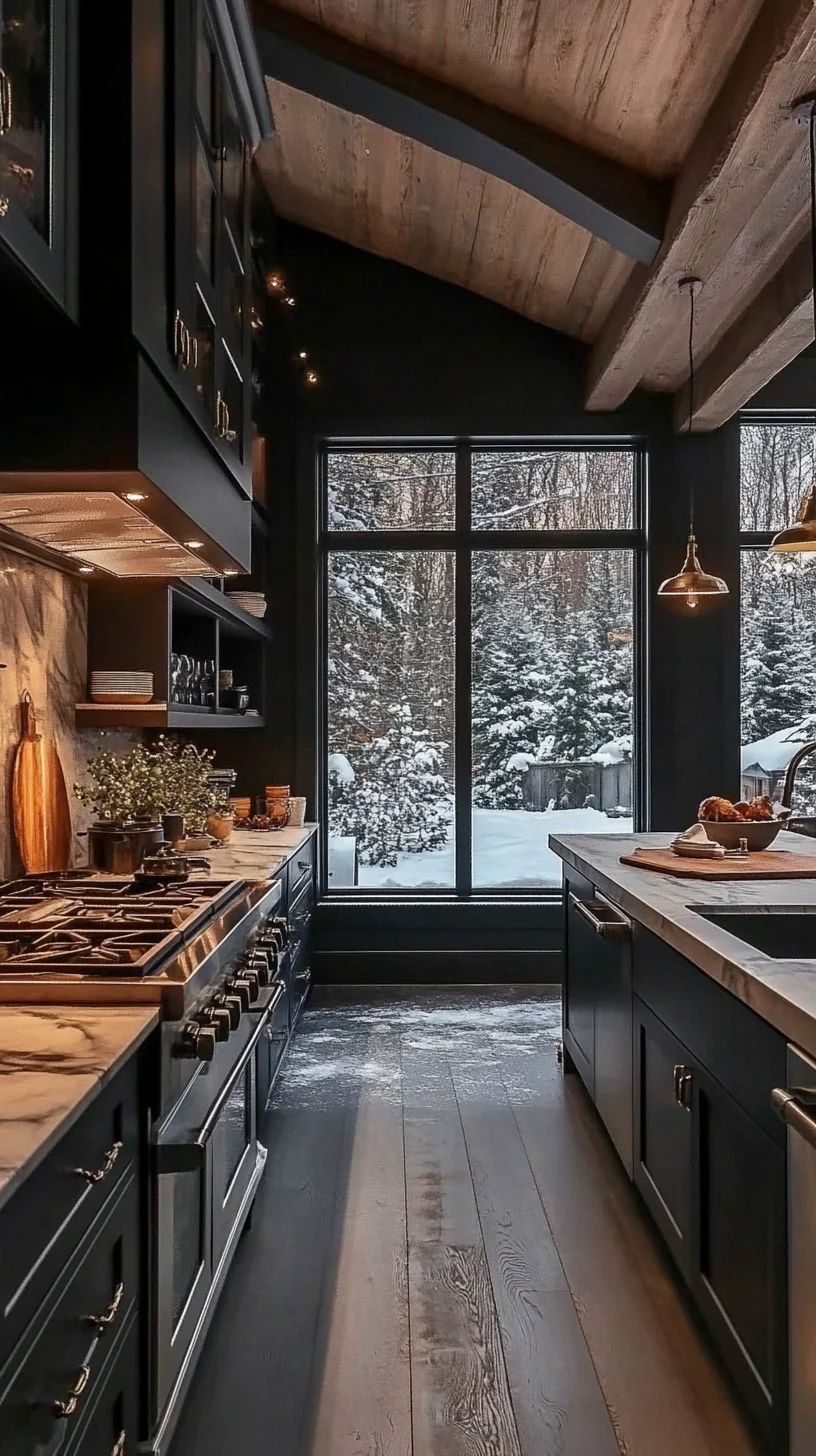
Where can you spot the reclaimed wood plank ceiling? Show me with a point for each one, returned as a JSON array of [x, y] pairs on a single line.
[[624, 121]]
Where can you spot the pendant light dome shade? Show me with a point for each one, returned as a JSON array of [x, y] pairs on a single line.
[[802, 536], [692, 586]]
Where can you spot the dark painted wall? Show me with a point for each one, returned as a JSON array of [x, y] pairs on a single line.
[[401, 353]]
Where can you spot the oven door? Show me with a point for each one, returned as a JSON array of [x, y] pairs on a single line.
[[273, 1043], [206, 1160]]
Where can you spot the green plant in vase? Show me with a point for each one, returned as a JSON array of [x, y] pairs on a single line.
[[164, 778]]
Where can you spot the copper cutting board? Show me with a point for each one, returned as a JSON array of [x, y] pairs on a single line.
[[765, 864], [42, 819]]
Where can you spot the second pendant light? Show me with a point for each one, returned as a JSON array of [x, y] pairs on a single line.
[[692, 590]]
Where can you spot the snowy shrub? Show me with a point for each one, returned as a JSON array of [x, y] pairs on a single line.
[[396, 800]]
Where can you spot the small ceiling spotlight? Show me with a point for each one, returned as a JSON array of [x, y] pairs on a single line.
[[135, 496], [193, 545], [312, 377], [86, 570], [303, 355], [290, 300], [275, 282]]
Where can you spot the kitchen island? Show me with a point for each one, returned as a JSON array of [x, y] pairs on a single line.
[[681, 1000]]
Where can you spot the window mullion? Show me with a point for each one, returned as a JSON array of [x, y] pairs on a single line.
[[462, 732]]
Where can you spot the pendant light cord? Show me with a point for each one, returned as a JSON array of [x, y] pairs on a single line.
[[691, 365], [812, 129]]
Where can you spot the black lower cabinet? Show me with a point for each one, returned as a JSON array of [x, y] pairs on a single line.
[[663, 1133], [715, 1184], [738, 1273]]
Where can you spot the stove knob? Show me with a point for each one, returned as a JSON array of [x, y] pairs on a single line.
[[281, 927], [253, 985], [205, 1041], [234, 1005], [258, 964], [219, 1020], [239, 987]]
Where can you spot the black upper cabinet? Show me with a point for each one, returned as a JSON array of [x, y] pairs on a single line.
[[38, 98], [209, 325]]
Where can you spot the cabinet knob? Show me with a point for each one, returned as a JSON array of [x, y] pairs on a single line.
[[221, 1022]]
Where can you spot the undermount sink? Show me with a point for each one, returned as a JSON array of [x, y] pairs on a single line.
[[784, 932]]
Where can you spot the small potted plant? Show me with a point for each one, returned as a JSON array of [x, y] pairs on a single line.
[[220, 820], [130, 792]]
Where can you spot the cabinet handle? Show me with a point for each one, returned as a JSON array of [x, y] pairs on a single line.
[[682, 1086], [97, 1174], [4, 204], [616, 928], [103, 1321], [194, 347], [65, 1408], [118, 1447], [219, 415], [5, 102], [230, 435], [178, 338], [304, 864]]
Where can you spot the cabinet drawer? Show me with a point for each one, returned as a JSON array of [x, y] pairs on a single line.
[[44, 1223], [111, 1424], [301, 868], [747, 1056], [50, 1381]]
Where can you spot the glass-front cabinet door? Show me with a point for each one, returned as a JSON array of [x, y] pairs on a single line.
[[212, 242], [37, 140]]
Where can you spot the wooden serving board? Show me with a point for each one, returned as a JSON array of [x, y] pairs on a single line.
[[764, 864], [42, 818]]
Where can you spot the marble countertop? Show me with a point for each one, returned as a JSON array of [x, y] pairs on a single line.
[[782, 992], [249, 854], [53, 1062]]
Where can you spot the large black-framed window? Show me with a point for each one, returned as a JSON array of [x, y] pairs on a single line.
[[481, 646], [777, 604]]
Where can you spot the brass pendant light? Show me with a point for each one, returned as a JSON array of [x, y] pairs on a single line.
[[802, 536], [693, 589]]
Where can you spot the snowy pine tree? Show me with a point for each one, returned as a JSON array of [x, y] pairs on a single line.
[[511, 715], [398, 801], [777, 673]]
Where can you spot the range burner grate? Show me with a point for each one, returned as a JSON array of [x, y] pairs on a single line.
[[84, 926]]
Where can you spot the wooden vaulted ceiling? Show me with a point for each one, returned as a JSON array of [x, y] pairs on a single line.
[[571, 159]]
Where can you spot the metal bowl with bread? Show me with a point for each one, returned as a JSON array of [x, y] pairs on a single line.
[[726, 823]]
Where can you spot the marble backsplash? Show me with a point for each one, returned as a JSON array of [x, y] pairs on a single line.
[[43, 643]]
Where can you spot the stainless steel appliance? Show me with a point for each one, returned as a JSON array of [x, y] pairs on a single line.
[[796, 1103], [214, 956]]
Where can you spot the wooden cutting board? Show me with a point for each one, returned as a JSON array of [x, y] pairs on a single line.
[[42, 819], [765, 864]]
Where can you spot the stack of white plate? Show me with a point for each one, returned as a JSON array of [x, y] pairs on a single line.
[[252, 602], [121, 687]]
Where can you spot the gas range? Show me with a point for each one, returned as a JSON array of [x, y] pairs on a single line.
[[97, 939], [214, 957]]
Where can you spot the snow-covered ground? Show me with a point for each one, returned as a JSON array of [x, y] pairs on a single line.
[[509, 848]]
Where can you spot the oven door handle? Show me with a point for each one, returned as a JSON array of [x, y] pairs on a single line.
[[189, 1154]]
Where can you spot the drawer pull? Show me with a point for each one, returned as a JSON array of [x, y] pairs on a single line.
[[304, 864], [96, 1175], [118, 1447], [65, 1408], [610, 924], [102, 1321]]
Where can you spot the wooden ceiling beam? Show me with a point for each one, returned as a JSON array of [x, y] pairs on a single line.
[[776, 326], [735, 135], [609, 200]]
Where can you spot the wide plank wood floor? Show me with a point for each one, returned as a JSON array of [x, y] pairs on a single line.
[[446, 1258]]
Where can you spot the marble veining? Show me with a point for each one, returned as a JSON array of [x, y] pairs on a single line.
[[53, 1062], [782, 992], [250, 855], [44, 644]]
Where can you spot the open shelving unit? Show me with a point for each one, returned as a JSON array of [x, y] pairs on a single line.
[[138, 625]]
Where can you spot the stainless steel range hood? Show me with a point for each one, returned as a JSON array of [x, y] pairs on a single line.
[[106, 531]]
